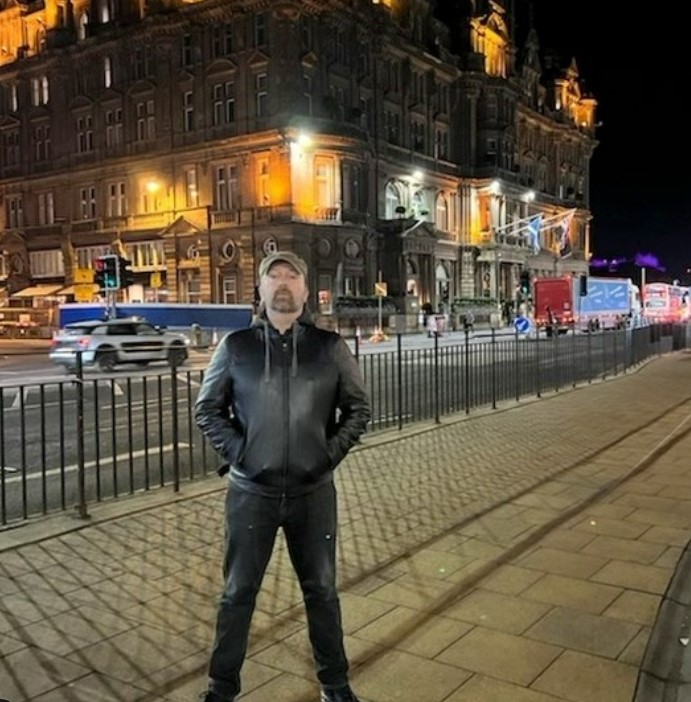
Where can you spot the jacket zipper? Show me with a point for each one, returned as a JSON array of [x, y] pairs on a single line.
[[286, 412]]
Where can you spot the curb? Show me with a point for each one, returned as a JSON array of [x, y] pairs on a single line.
[[665, 672]]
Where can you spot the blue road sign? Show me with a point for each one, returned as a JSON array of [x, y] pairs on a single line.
[[521, 325]]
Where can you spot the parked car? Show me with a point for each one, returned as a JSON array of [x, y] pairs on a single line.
[[105, 344]]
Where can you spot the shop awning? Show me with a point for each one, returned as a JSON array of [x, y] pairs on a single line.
[[38, 291]]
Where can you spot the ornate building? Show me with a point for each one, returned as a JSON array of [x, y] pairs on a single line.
[[197, 136]]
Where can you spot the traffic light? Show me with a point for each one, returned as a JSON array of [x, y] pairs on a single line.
[[583, 285], [125, 273], [524, 284], [99, 273], [106, 273]]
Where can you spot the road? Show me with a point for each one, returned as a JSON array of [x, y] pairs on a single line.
[[24, 360], [136, 429]]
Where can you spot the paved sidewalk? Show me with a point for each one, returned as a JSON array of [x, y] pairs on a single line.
[[514, 556]]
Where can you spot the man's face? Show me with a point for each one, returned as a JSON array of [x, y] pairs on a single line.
[[283, 289]]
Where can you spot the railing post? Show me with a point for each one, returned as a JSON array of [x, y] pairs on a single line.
[[493, 364], [573, 356], [176, 429], [590, 356], [436, 378], [466, 371], [555, 360], [538, 374], [517, 366], [399, 373], [3, 469], [81, 477]]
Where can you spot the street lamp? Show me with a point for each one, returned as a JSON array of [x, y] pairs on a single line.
[[152, 188]]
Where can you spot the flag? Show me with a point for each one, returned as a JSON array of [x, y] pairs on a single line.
[[565, 248], [534, 226]]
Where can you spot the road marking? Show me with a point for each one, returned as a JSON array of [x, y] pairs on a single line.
[[182, 378], [390, 418], [26, 390], [117, 390], [8, 469], [90, 464], [21, 392]]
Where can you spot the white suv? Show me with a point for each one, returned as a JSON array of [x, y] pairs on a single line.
[[106, 344]]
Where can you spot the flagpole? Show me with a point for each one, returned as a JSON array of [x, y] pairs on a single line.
[[550, 221]]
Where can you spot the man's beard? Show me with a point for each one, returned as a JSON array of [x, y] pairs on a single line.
[[283, 301]]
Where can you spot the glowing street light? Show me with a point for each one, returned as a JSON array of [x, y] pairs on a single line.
[[304, 140]]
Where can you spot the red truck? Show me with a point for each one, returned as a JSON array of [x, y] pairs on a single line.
[[553, 303]]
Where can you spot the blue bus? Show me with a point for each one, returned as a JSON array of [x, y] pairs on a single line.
[[204, 324]]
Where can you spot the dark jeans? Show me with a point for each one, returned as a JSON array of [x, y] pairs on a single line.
[[309, 523]]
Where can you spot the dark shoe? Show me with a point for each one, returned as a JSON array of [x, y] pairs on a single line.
[[338, 694], [213, 697]]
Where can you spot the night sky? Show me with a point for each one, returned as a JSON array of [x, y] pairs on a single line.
[[639, 192]]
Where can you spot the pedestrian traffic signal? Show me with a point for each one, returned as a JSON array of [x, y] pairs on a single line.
[[106, 273], [524, 285], [125, 272]]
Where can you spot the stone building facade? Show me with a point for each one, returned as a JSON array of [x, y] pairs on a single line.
[[195, 137]]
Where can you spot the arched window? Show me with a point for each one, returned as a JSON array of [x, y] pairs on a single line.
[[442, 214], [394, 200], [420, 209]]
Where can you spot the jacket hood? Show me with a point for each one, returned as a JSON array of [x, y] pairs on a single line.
[[262, 321]]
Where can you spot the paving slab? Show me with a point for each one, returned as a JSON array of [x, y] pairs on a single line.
[[481, 560]]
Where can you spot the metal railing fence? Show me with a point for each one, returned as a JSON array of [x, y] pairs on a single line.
[[69, 443]]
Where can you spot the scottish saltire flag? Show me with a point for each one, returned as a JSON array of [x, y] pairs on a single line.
[[565, 248], [533, 227]]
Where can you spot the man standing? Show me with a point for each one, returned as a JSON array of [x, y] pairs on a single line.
[[268, 405]]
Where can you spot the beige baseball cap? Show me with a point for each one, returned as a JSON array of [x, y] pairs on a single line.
[[285, 257]]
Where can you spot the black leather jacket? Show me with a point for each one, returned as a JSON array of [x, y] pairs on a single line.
[[268, 406]]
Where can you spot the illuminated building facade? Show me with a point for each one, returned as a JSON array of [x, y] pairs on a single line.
[[196, 137]]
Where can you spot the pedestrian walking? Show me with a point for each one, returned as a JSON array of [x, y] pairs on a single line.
[[468, 322], [282, 403]]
